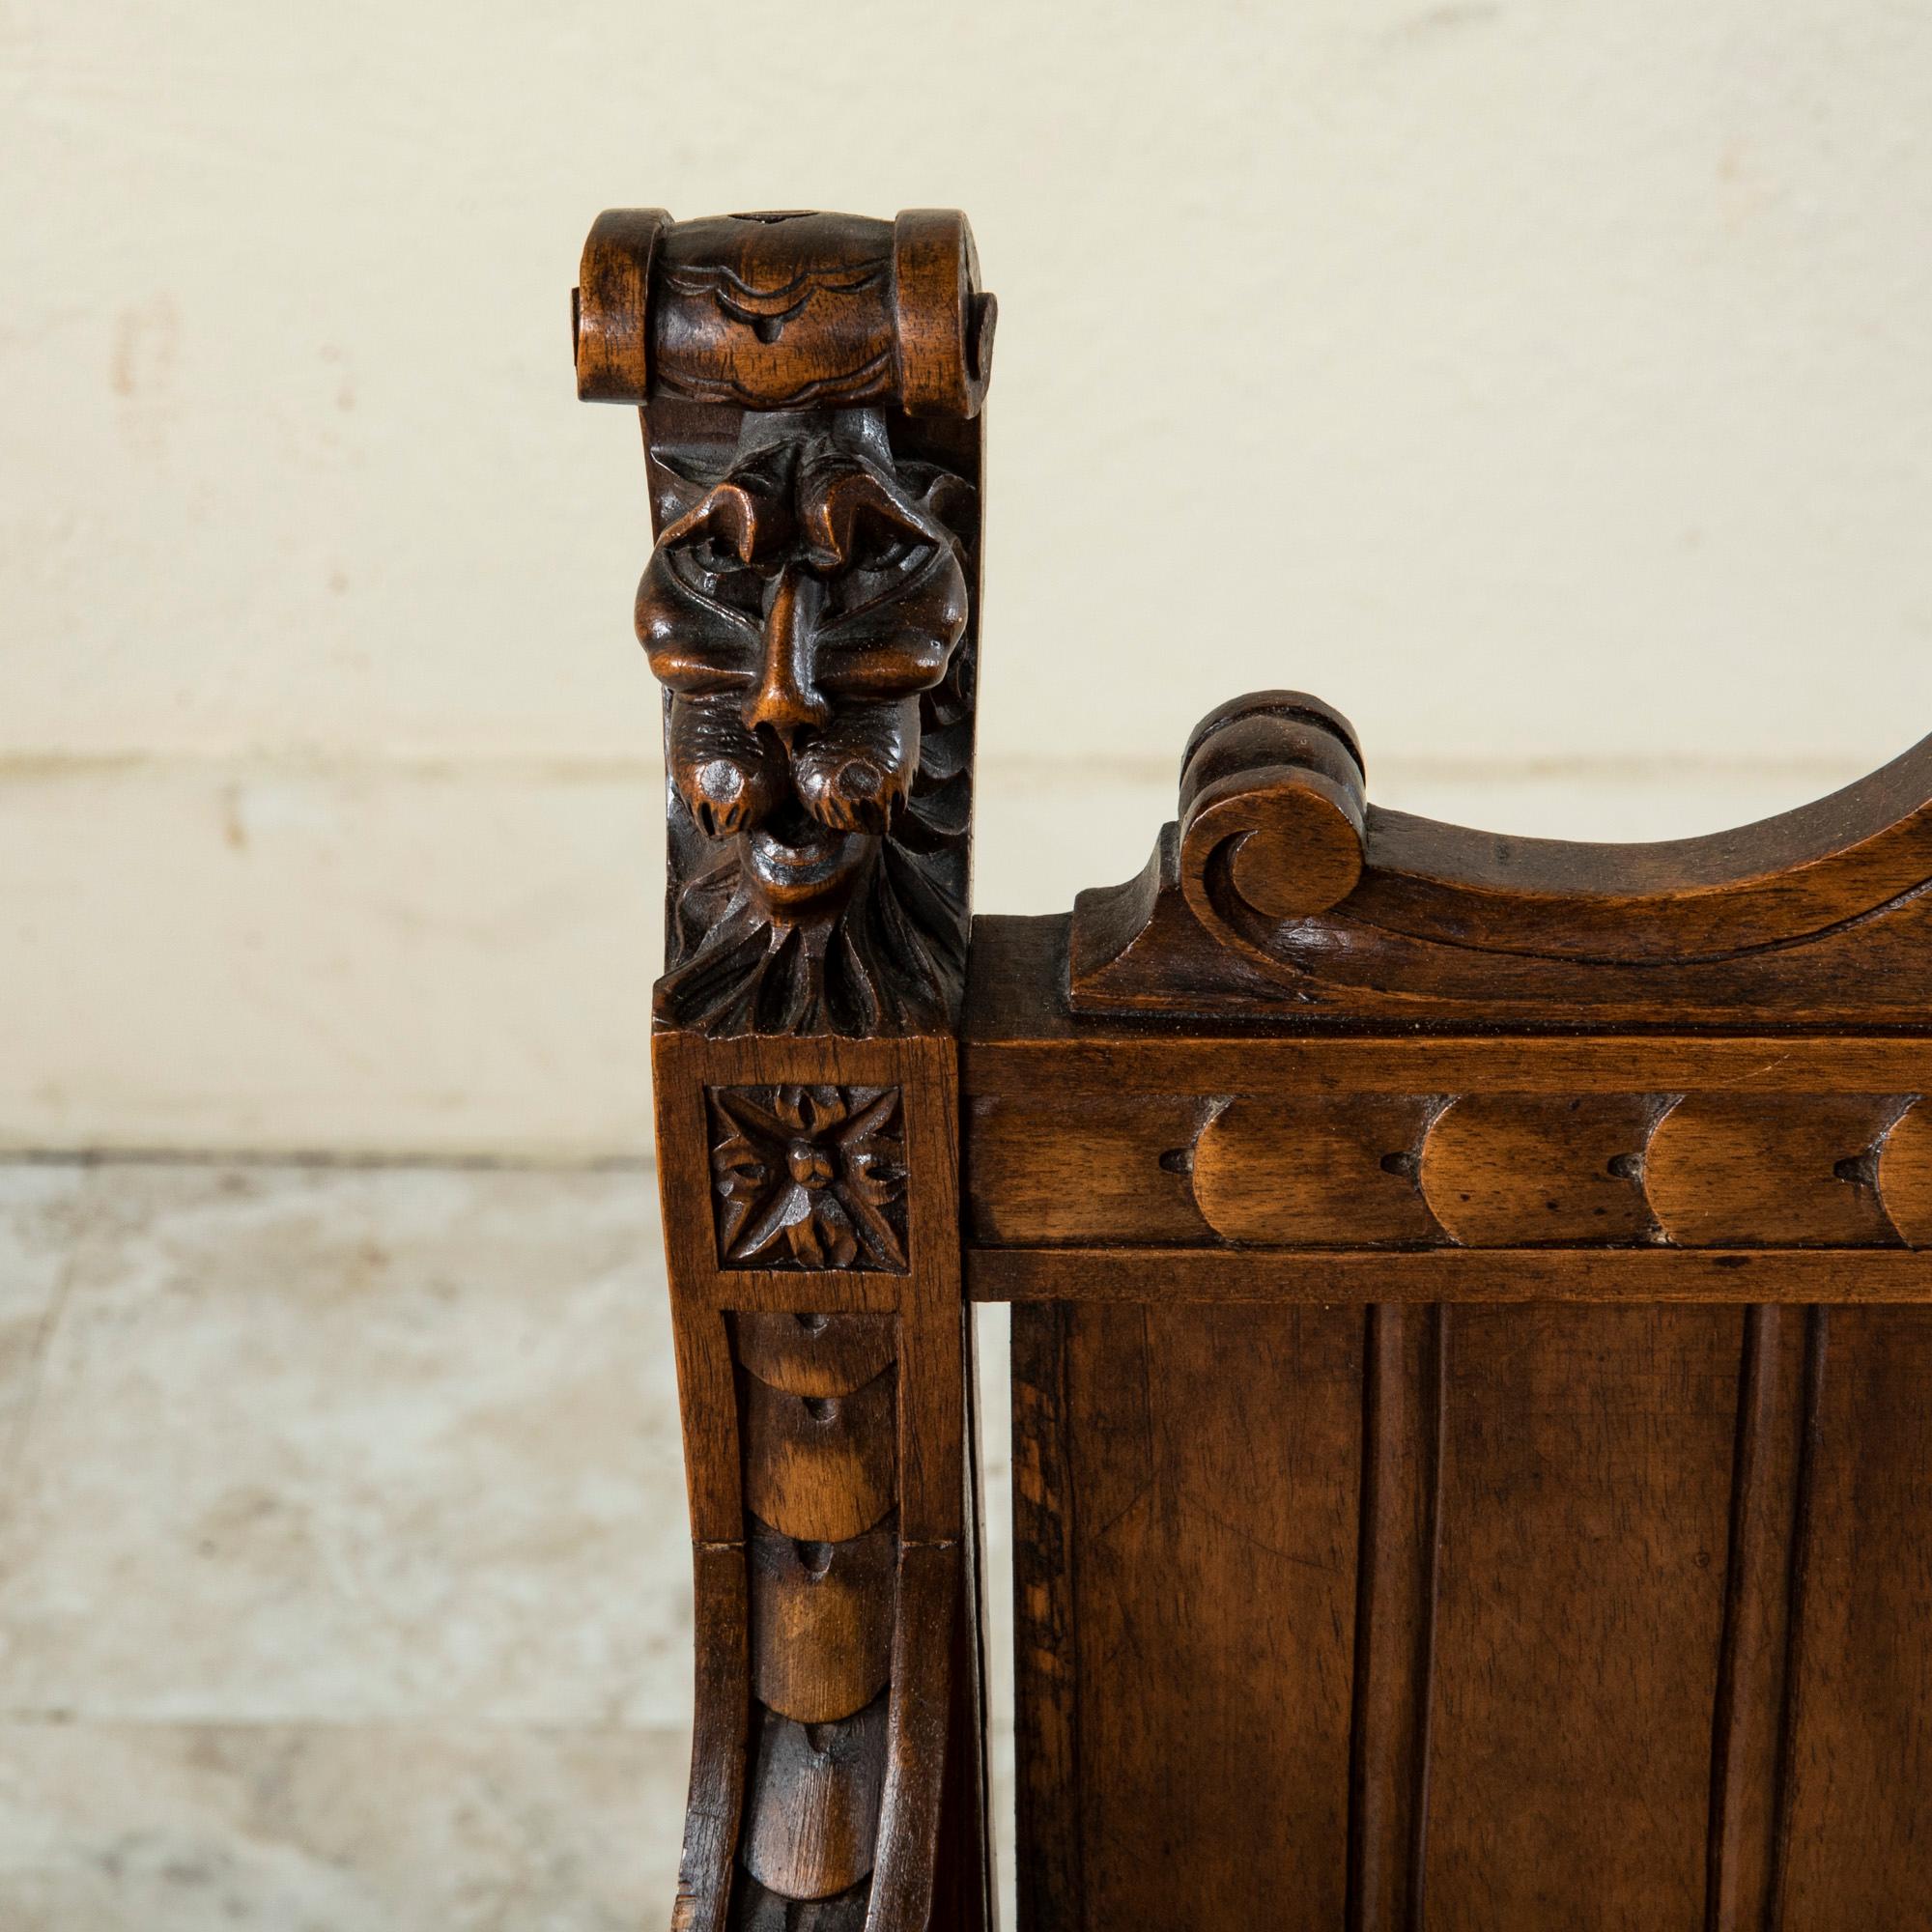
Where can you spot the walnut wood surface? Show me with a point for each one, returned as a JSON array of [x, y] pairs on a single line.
[[1281, 895], [1472, 1319], [1632, 1632], [809, 386]]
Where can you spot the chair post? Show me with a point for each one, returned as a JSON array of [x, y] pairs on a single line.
[[809, 386]]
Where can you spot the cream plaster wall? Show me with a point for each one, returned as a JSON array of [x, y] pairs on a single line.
[[1547, 384]]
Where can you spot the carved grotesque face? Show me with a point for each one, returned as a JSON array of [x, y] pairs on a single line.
[[797, 612]]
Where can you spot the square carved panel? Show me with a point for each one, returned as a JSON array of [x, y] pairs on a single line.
[[808, 1177]]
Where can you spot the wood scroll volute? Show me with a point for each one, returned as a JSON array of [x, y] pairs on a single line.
[[1271, 813], [1280, 892], [809, 386], [784, 311]]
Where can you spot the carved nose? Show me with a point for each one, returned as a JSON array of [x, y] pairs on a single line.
[[786, 700]]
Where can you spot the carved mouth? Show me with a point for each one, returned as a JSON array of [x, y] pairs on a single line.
[[792, 853]]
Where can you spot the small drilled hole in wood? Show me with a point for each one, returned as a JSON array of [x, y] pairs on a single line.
[[1625, 1167], [821, 1737], [1178, 1160], [815, 1557], [1403, 1164], [812, 1324], [1860, 1169], [821, 1408]]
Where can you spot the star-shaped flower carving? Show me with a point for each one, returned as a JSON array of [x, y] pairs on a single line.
[[808, 1177]]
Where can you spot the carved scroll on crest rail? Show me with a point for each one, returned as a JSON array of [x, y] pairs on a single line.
[[1281, 894]]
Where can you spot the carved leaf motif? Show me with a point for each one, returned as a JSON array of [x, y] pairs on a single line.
[[808, 1177]]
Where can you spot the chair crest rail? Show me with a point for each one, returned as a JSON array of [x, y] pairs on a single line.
[[1281, 894]]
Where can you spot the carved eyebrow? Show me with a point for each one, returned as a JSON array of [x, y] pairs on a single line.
[[831, 514], [729, 511]]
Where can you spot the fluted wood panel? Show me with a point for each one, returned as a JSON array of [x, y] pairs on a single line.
[[1585, 1508], [1467, 1618]]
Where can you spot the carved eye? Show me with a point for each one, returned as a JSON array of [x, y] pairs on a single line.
[[715, 569], [882, 550], [881, 556], [712, 558]]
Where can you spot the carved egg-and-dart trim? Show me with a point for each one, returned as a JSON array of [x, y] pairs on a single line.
[[813, 1802], [821, 1469], [1772, 1170], [821, 1621], [1905, 1175], [815, 1354], [1315, 1171], [1518, 1170], [1522, 1170]]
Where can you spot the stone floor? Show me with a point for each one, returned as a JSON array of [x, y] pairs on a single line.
[[343, 1573]]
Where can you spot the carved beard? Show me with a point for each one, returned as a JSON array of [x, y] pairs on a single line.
[[889, 957], [808, 616]]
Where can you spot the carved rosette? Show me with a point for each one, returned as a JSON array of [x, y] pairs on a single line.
[[809, 1177]]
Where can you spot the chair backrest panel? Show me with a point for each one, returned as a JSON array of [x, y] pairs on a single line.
[[1473, 1616]]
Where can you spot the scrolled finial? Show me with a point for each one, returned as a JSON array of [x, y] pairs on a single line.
[[789, 310], [1271, 811]]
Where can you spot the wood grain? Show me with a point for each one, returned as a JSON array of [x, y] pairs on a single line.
[[811, 1354], [1042, 1170], [1395, 1615], [1215, 1548], [1515, 1169], [1857, 1817], [1178, 1276], [1315, 1172], [718, 1743], [1584, 1522], [1472, 1463], [1046, 1634], [1905, 1176], [810, 385], [813, 1810], [821, 1622], [820, 1469], [1725, 1171], [1749, 1741], [1818, 915]]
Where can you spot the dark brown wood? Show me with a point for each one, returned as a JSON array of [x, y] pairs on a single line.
[[810, 387], [1208, 1276], [1578, 1616], [1472, 1296], [1748, 1743], [1280, 895], [1857, 1841], [1047, 1628], [822, 1617], [1213, 1556], [1395, 1617]]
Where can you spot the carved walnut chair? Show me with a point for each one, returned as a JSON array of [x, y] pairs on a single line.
[[1473, 1383]]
